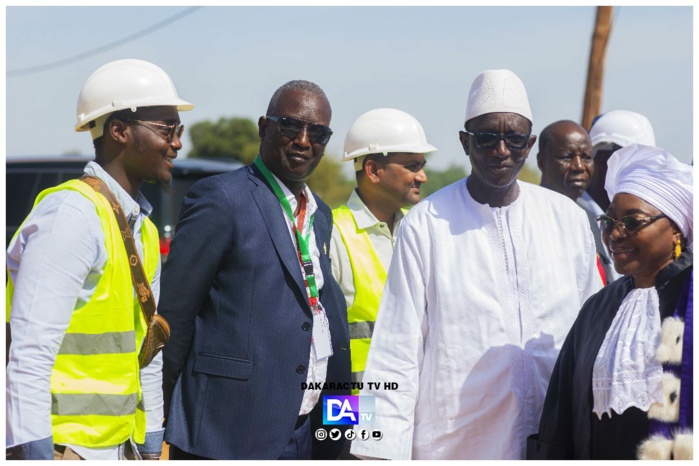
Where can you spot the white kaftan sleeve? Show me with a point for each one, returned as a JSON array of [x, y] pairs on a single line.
[[396, 351]]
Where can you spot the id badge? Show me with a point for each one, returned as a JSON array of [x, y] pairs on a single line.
[[321, 333]]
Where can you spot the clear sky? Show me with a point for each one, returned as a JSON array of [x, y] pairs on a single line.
[[228, 60]]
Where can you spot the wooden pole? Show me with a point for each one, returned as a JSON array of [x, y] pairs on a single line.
[[595, 70]]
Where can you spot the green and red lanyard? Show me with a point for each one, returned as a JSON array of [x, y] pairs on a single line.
[[301, 242]]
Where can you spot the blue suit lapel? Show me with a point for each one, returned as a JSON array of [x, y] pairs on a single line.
[[320, 228], [272, 214]]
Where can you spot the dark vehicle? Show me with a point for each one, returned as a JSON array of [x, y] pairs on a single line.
[[27, 176]]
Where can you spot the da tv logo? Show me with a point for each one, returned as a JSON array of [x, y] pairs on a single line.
[[348, 410]]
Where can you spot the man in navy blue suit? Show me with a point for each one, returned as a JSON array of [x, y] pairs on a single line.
[[255, 314]]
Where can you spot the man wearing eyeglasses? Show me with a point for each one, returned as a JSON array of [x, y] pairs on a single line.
[[259, 325], [567, 166], [487, 277], [388, 148], [610, 132], [74, 388]]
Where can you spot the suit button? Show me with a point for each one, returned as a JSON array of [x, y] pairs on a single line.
[[306, 326], [301, 369]]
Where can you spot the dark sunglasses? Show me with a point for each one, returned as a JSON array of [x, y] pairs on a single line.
[[167, 132], [291, 127], [513, 141], [627, 224]]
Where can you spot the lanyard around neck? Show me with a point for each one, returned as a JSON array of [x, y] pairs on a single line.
[[301, 241]]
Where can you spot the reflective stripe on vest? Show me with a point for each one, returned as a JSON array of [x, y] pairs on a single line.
[[369, 279], [95, 382]]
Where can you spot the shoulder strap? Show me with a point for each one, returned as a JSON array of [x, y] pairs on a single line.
[[138, 275]]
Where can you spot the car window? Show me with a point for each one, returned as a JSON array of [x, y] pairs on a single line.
[[23, 185], [22, 189], [24, 181], [166, 205]]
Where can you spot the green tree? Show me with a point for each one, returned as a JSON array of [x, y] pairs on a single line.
[[328, 182], [437, 179], [231, 138], [530, 175]]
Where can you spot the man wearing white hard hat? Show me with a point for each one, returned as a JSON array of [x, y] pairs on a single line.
[[486, 279], [387, 147], [610, 132], [79, 383]]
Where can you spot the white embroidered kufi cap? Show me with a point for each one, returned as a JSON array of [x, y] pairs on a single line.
[[498, 91], [657, 177]]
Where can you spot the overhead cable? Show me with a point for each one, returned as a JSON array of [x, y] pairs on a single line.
[[104, 48]]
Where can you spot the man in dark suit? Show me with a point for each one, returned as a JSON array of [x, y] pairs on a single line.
[[254, 311]]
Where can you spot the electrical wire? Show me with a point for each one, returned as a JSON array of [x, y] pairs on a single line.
[[104, 48]]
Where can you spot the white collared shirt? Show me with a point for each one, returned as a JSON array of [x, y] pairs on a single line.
[[317, 369], [55, 261]]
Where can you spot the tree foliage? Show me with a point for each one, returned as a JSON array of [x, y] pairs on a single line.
[[437, 179], [328, 182], [231, 138], [530, 175]]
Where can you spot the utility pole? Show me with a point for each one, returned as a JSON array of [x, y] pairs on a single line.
[[595, 69]]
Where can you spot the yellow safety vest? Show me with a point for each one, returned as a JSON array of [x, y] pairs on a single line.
[[96, 398], [369, 279]]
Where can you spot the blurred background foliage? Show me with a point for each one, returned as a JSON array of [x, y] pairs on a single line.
[[237, 139]]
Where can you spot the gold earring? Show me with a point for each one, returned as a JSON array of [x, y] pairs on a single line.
[[678, 249]]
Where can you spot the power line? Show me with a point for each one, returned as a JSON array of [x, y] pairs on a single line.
[[104, 48]]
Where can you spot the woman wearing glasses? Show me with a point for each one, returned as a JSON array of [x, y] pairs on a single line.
[[622, 385]]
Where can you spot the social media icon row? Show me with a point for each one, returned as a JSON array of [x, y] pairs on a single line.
[[350, 434]]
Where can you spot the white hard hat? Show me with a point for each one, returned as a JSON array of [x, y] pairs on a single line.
[[123, 84], [623, 128], [384, 130]]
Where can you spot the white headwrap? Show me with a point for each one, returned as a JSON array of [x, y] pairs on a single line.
[[657, 177], [498, 91]]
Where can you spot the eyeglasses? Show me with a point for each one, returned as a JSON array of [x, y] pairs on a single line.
[[291, 127], [628, 224], [513, 141], [169, 130]]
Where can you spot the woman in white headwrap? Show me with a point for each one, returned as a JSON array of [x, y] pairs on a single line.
[[622, 385]]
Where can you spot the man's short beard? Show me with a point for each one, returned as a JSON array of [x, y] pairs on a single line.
[[165, 186]]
